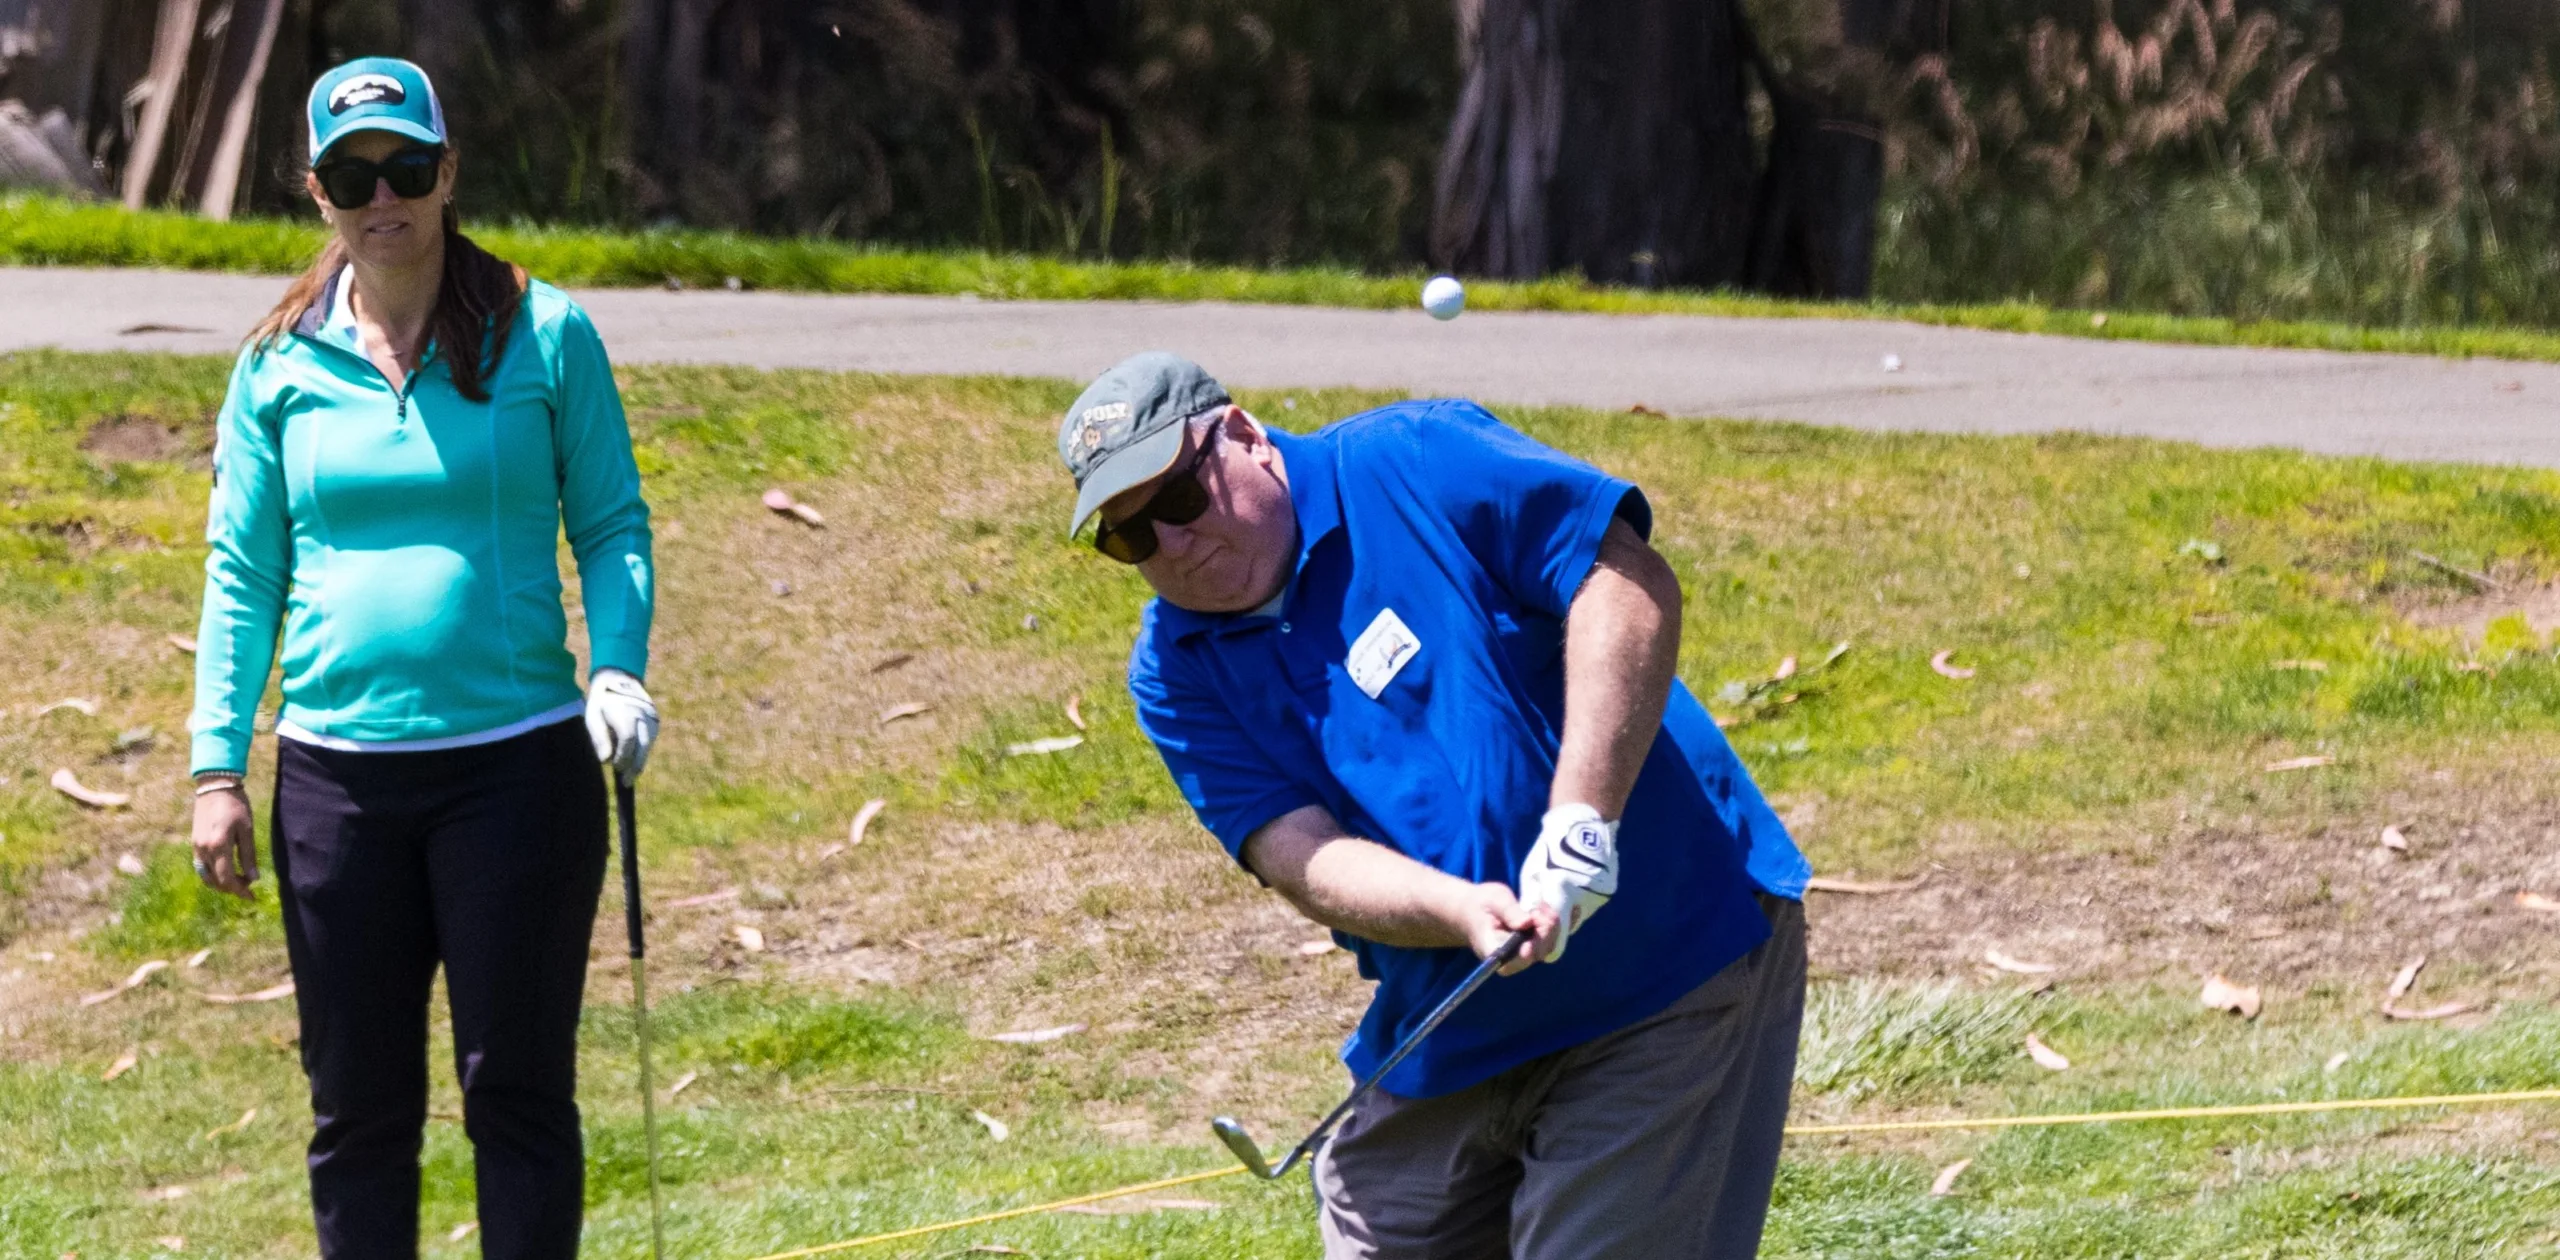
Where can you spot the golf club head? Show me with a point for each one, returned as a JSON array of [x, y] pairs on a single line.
[[1242, 1143]]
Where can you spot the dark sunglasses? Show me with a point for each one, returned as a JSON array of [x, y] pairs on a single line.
[[411, 172], [1179, 501]]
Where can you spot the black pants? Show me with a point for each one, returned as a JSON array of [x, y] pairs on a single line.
[[488, 860]]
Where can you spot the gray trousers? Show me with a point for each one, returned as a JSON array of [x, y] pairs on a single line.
[[1656, 1142]]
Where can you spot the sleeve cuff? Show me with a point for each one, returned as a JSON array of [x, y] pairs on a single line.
[[218, 752], [623, 654]]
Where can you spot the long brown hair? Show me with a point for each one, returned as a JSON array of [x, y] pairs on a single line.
[[476, 305]]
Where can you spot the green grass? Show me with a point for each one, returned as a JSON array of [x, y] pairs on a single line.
[[44, 231], [2127, 687], [760, 1155]]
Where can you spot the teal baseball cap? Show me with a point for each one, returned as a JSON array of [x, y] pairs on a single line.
[[374, 94], [1126, 426]]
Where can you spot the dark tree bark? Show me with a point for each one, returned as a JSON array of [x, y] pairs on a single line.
[[51, 54], [173, 38], [1609, 137], [212, 179]]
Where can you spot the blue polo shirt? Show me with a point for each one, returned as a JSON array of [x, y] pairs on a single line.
[[1412, 683]]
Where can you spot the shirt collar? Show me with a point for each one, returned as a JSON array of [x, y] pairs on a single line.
[[331, 317], [1315, 494]]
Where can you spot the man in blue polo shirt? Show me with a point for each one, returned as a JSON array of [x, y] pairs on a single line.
[[1401, 668]]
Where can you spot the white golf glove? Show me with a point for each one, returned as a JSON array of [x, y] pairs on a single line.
[[622, 722], [1573, 869]]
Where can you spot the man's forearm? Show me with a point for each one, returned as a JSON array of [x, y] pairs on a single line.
[[1621, 651], [1358, 886]]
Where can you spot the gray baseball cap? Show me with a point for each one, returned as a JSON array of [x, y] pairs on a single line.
[[1126, 427]]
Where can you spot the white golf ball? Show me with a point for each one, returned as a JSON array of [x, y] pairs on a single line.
[[1444, 297]]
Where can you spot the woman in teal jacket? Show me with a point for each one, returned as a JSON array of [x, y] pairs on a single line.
[[405, 438]]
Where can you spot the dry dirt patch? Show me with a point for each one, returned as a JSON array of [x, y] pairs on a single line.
[[2285, 910]]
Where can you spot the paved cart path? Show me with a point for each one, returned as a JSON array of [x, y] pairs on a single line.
[[1823, 371]]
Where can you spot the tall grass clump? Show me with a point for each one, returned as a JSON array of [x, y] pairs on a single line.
[[2373, 161], [1864, 1038]]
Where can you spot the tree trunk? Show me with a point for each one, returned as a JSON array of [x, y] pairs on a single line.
[[215, 176], [1608, 137], [1813, 232], [173, 38], [49, 54]]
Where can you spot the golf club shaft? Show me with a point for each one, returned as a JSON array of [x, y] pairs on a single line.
[[625, 800], [1492, 963]]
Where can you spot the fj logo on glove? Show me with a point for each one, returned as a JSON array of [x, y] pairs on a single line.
[[1587, 843]]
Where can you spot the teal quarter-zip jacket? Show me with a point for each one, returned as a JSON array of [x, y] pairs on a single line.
[[408, 539]]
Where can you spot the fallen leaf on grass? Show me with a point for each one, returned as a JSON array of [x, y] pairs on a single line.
[[2004, 962], [130, 864], [173, 1242], [892, 661], [703, 899], [2300, 667], [183, 643], [2222, 995], [123, 1064], [2537, 903], [2335, 1062], [681, 1082], [1944, 663], [140, 974], [1037, 1035], [907, 710], [862, 820], [1037, 747], [1857, 889], [196, 959], [1316, 949], [1140, 1207], [2446, 1011], [69, 785], [2394, 840], [996, 1129], [224, 1130], [85, 708], [831, 851], [1946, 1183], [780, 502], [1786, 670], [162, 1194], [2405, 980], [749, 939], [2299, 763], [461, 1231], [1075, 710], [2046, 1057], [269, 994]]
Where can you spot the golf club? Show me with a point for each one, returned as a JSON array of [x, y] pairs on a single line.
[[625, 802], [1242, 1143]]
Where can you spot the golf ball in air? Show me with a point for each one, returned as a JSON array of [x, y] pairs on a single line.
[[1444, 297]]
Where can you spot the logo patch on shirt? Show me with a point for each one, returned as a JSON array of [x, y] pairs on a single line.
[[1380, 653]]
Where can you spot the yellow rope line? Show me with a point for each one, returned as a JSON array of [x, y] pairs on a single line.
[[991, 1217], [1809, 1130], [2179, 1113]]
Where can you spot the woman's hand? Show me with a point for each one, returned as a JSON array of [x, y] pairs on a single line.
[[226, 842], [622, 721]]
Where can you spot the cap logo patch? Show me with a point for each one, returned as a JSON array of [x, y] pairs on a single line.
[[366, 89], [1096, 417]]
